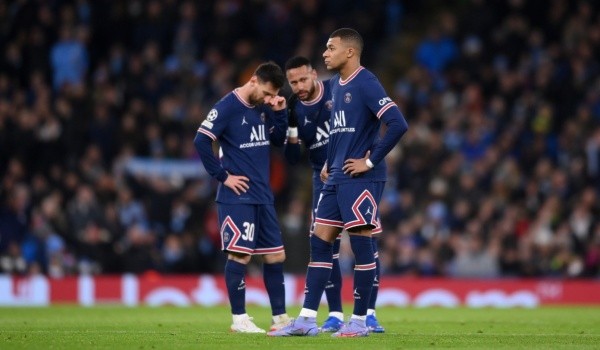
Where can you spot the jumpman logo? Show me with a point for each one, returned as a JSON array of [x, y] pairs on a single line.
[[306, 121], [356, 294], [244, 120], [368, 211], [242, 285]]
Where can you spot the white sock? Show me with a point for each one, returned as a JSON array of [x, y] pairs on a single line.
[[276, 318], [337, 314], [371, 312], [237, 318], [308, 313], [361, 318]]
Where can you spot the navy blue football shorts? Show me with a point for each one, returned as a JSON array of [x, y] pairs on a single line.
[[249, 229], [350, 205]]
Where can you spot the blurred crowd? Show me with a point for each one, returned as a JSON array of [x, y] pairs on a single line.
[[87, 87], [498, 175]]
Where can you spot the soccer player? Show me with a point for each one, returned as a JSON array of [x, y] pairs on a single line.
[[355, 175], [245, 122], [309, 111]]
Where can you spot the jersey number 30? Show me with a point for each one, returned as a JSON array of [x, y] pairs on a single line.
[[248, 234]]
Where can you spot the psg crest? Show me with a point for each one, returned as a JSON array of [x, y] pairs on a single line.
[[347, 97]]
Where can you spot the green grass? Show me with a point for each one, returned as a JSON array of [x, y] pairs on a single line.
[[72, 327]]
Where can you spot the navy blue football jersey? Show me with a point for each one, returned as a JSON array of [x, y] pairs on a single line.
[[358, 104], [313, 124], [245, 133]]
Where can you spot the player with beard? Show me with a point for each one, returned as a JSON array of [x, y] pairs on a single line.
[[245, 122], [309, 114], [355, 175]]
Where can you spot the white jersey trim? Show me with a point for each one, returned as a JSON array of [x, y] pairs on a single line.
[[319, 96], [385, 108], [207, 133], [352, 76], [235, 92]]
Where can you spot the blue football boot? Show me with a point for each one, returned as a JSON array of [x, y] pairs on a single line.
[[374, 325], [331, 325]]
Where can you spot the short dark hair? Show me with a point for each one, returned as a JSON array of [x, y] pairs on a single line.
[[349, 35], [270, 72], [296, 62]]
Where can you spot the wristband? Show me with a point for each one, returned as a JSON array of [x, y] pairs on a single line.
[[370, 164], [293, 132]]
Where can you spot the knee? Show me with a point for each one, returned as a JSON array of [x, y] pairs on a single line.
[[240, 258], [274, 258], [361, 231], [327, 233]]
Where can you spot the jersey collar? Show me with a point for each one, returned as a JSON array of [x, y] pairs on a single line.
[[352, 76], [235, 92], [319, 96]]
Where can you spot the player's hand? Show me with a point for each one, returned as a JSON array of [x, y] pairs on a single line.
[[355, 167], [237, 183], [324, 173], [277, 103]]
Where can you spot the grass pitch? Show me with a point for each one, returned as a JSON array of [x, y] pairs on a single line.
[[73, 327]]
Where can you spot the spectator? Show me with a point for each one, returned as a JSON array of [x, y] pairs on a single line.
[[503, 101], [69, 59]]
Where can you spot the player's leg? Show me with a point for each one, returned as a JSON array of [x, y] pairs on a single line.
[[269, 244], [239, 251], [333, 293], [358, 208], [372, 322], [333, 289], [319, 268], [364, 275]]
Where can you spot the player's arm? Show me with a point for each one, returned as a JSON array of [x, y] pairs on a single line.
[[385, 109], [292, 147], [388, 112], [206, 135], [277, 120], [396, 127]]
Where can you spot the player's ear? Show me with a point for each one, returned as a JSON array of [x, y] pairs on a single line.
[[350, 52], [313, 73]]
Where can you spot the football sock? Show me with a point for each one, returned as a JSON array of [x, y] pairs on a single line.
[[375, 290], [319, 269], [273, 278], [364, 272], [236, 286], [333, 290]]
